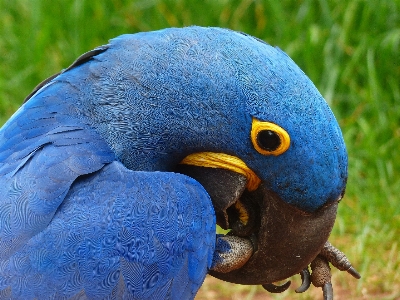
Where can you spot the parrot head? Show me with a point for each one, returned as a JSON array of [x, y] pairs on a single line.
[[240, 117], [281, 142]]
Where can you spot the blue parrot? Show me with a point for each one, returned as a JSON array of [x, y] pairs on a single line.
[[115, 172]]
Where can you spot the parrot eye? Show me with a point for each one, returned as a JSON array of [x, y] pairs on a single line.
[[269, 138]]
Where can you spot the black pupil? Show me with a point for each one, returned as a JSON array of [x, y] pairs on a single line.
[[268, 140]]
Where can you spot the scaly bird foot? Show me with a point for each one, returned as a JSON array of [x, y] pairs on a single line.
[[321, 272], [338, 259], [305, 281]]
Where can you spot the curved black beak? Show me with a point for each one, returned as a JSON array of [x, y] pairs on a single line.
[[285, 239]]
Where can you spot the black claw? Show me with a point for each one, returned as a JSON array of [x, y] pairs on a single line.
[[353, 272], [272, 288], [305, 281], [327, 291]]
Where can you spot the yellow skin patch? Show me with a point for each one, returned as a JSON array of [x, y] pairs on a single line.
[[229, 162], [224, 161], [258, 126]]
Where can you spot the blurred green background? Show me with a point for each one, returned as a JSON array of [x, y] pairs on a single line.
[[350, 49]]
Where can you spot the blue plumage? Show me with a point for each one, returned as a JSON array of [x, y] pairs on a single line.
[[83, 210], [119, 232], [198, 91]]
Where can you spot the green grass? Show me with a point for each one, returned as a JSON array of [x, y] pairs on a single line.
[[350, 49]]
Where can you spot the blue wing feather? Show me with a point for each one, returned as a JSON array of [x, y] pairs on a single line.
[[112, 234], [43, 149], [105, 239]]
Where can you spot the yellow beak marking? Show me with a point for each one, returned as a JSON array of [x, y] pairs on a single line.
[[224, 161]]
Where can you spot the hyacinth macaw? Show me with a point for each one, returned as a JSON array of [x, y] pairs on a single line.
[[115, 172]]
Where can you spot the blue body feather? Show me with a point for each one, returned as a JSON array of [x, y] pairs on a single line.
[[82, 210], [118, 234]]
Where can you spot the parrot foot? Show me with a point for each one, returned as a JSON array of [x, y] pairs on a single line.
[[321, 276], [305, 281], [272, 288], [305, 284], [338, 259], [321, 272]]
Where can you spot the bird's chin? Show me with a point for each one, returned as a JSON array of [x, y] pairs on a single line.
[[284, 240]]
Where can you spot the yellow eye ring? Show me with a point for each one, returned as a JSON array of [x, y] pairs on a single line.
[[269, 138]]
